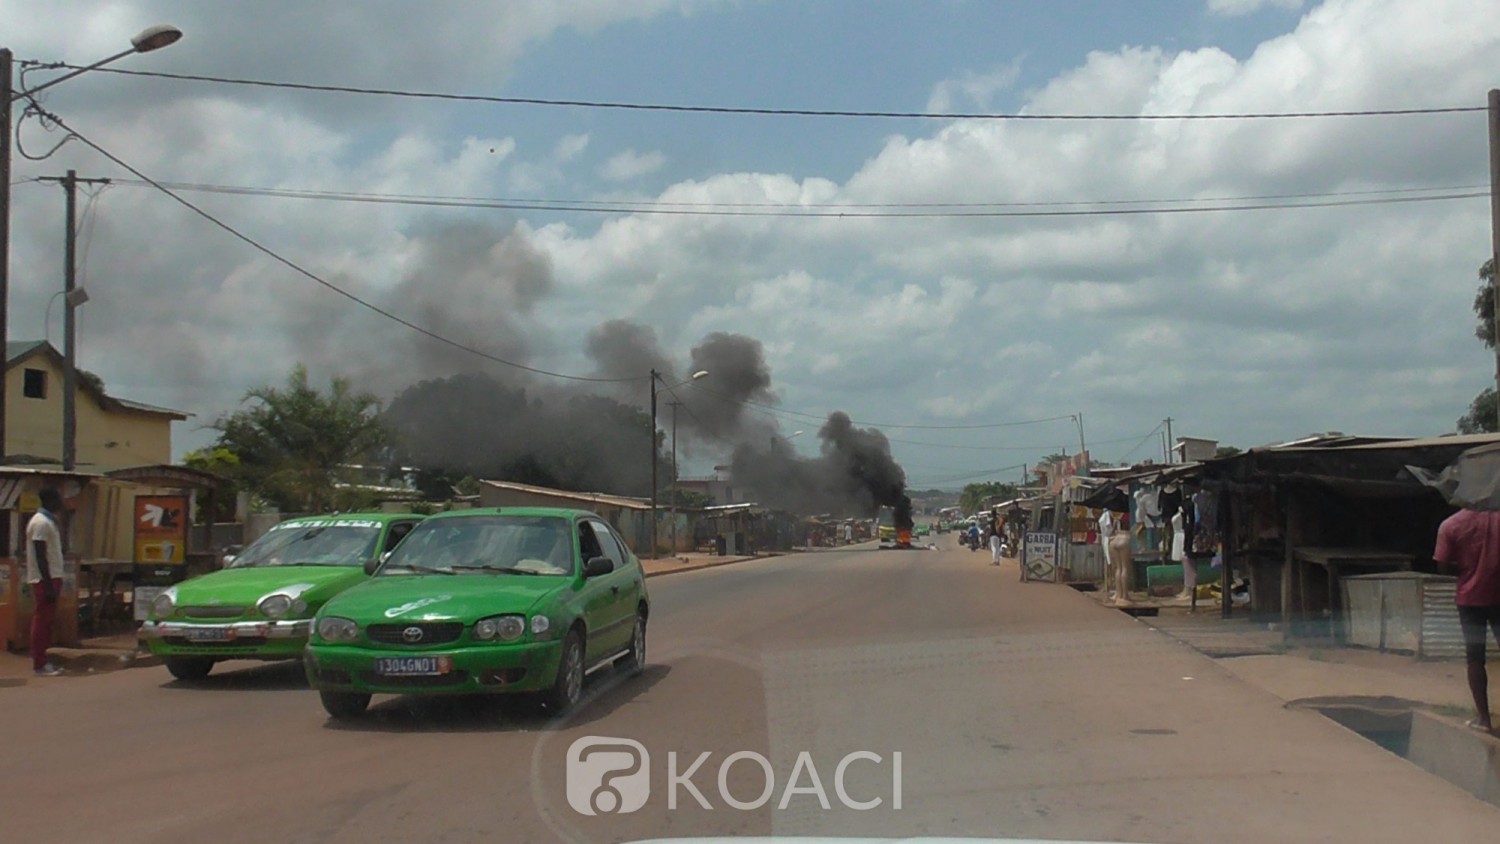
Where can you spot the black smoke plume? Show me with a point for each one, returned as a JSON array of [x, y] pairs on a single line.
[[854, 475], [462, 416]]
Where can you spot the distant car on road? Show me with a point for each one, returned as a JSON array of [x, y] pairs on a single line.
[[494, 600], [260, 606]]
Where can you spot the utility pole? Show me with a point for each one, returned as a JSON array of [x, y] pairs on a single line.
[[675, 474], [6, 93], [654, 376], [1082, 447], [71, 300], [1170, 442], [1495, 231]]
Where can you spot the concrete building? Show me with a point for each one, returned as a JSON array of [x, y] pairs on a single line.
[[113, 433]]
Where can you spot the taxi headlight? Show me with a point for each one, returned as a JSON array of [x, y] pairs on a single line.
[[499, 628], [163, 606], [335, 629], [274, 606], [540, 624]]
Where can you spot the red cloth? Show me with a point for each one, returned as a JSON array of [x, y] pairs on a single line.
[[41, 621], [1470, 540]]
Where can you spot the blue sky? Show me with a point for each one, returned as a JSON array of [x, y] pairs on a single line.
[[1249, 327]]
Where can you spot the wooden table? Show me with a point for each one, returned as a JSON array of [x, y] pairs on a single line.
[[99, 579]]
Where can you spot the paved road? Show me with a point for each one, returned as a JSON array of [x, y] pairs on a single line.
[[1018, 710]]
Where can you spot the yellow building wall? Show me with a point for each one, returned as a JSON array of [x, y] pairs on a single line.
[[106, 439]]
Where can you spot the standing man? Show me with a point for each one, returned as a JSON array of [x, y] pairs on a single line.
[[44, 567], [995, 541], [1469, 541]]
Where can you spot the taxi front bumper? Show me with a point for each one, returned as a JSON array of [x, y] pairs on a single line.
[[472, 668], [238, 639]]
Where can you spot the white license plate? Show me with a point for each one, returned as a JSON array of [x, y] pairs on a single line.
[[208, 634], [413, 666]]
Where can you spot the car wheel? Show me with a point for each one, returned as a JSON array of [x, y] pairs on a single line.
[[567, 687], [634, 662], [344, 705], [189, 667]]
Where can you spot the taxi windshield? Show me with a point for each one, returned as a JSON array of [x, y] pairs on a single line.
[[539, 545], [312, 544]]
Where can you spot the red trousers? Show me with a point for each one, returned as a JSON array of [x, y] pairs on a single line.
[[41, 621]]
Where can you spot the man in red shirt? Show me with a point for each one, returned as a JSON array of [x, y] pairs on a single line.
[[1469, 541]]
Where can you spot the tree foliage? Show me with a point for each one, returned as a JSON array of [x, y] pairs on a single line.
[[1481, 416], [226, 464], [295, 442], [1225, 451], [974, 496]]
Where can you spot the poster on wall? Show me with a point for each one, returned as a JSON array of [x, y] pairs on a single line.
[[161, 530], [1040, 560]]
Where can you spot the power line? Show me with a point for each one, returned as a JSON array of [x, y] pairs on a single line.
[[967, 477], [670, 209], [774, 410], [616, 204], [1149, 434], [299, 269], [748, 110]]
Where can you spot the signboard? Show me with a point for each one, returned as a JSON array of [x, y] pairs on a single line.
[[1039, 561], [161, 529]]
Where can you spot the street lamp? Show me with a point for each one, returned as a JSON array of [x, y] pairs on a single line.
[[77, 296], [151, 38], [655, 377]]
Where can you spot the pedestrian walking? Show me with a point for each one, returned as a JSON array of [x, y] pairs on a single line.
[[44, 566], [1469, 542], [995, 542]]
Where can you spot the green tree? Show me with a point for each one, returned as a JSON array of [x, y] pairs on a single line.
[[1225, 451], [226, 464], [296, 442], [974, 496], [1481, 417]]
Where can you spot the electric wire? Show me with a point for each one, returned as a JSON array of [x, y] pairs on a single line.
[[998, 210], [746, 110], [300, 270]]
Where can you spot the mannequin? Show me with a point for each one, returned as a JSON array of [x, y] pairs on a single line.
[[1180, 555]]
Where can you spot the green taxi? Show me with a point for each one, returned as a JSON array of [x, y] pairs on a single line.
[[493, 600], [260, 606]]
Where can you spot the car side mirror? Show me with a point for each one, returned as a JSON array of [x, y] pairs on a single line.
[[372, 565], [597, 566]]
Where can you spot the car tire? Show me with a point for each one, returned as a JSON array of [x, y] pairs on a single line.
[[634, 660], [344, 705], [567, 686], [189, 667]]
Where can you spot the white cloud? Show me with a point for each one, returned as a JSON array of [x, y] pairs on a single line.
[[1236, 8], [628, 164], [570, 147], [976, 90], [1249, 326]]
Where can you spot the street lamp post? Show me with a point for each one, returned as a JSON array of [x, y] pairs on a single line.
[[655, 377], [151, 38]]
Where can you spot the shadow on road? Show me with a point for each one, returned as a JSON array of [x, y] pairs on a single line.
[[603, 693], [270, 677]]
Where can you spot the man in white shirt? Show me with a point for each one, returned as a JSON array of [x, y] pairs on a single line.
[[44, 567]]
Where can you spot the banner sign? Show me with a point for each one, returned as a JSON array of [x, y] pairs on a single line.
[[1040, 556], [161, 529]]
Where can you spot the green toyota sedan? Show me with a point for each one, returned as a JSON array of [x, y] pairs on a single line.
[[260, 606], [509, 600]]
